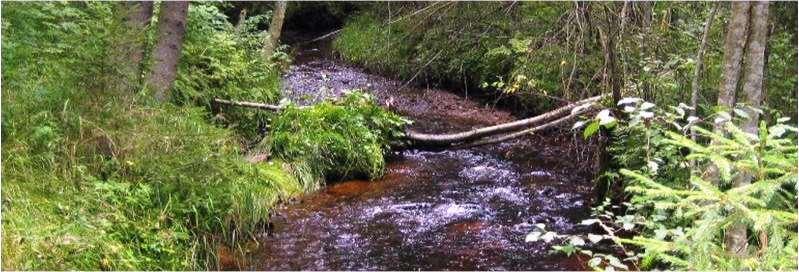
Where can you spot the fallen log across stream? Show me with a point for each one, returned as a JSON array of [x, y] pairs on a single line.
[[467, 136], [475, 137]]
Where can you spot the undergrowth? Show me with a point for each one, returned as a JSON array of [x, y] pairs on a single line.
[[337, 140], [99, 178], [95, 177], [97, 183], [525, 53], [219, 61]]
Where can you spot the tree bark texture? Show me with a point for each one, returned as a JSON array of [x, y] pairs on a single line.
[[734, 44], [735, 238], [613, 83], [166, 54], [447, 139], [137, 16], [275, 27], [242, 20]]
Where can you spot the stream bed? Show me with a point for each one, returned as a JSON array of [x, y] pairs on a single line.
[[453, 209]]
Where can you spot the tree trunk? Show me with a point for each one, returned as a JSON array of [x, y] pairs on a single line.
[[755, 64], [646, 44], [166, 54], [242, 20], [734, 42], [531, 130], [447, 139], [137, 17], [421, 139], [735, 238], [733, 53], [275, 27], [700, 60], [613, 83]]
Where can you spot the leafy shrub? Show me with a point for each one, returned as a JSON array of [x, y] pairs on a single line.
[[342, 139], [219, 62], [676, 217], [528, 52]]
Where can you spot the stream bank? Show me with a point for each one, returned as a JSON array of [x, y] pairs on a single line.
[[457, 209]]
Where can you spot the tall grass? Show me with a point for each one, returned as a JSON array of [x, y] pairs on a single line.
[[97, 178]]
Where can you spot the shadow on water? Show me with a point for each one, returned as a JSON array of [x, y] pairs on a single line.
[[457, 209]]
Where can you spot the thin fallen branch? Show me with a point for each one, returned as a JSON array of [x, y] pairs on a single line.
[[420, 71], [529, 131], [246, 104], [323, 36], [254, 105], [447, 139]]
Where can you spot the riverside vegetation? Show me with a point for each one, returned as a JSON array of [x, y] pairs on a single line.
[[98, 178], [98, 172]]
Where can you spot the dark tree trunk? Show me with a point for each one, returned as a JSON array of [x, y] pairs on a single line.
[[166, 54], [613, 82], [242, 20]]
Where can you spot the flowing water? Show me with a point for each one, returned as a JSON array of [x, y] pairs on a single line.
[[454, 209]]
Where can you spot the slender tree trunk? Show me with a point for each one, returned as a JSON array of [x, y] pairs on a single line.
[[646, 44], [734, 43], [166, 54], [131, 50], [755, 64], [242, 20], [733, 54], [275, 27], [735, 238], [613, 82], [700, 61]]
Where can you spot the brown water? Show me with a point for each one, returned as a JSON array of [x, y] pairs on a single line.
[[458, 209]]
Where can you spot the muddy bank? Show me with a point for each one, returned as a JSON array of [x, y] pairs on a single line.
[[458, 209]]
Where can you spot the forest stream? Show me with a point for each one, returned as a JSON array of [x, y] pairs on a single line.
[[459, 209]]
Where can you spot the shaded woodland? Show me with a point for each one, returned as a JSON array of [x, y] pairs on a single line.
[[399, 135]]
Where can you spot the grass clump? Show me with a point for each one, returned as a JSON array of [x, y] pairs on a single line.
[[365, 41], [342, 139], [101, 184]]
